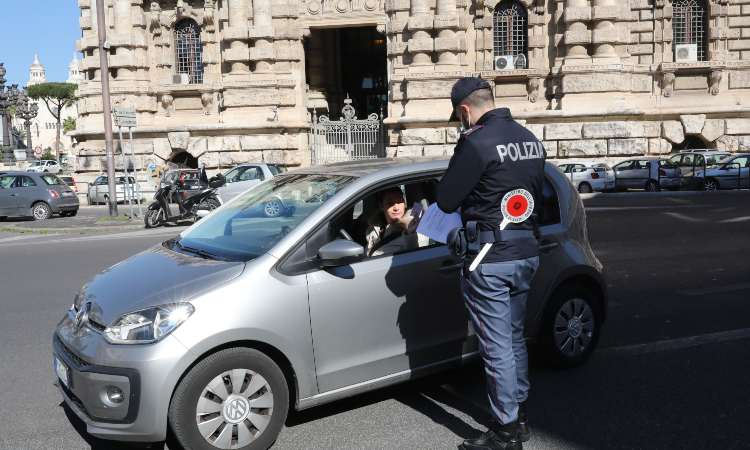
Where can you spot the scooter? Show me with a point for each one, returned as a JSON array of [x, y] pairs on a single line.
[[192, 208]]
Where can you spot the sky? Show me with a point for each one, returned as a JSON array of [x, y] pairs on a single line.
[[47, 27]]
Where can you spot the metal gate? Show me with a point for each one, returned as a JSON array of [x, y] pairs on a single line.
[[346, 139]]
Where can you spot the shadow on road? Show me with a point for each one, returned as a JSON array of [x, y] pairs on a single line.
[[102, 444]]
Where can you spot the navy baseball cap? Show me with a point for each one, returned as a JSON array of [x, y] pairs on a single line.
[[462, 89]]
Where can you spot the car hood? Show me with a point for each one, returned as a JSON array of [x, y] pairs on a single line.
[[154, 277]]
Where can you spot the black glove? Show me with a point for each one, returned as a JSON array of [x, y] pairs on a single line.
[[457, 242]]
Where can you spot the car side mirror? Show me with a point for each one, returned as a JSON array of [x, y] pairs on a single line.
[[340, 253]]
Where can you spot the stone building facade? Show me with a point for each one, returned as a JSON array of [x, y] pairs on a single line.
[[228, 81]]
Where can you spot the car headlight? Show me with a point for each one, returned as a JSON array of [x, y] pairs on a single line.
[[148, 325]]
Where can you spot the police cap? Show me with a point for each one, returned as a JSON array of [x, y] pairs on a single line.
[[462, 89]]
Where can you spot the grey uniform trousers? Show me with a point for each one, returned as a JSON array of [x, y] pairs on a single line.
[[495, 295]]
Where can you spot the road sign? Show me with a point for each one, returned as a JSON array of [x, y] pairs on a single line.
[[124, 116]]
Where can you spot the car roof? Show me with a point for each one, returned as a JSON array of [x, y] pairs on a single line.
[[388, 166], [20, 172]]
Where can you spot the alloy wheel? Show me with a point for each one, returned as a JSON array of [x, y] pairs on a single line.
[[41, 211], [234, 408], [711, 185], [272, 208], [574, 327]]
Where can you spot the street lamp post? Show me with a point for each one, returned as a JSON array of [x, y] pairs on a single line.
[[8, 97], [26, 111]]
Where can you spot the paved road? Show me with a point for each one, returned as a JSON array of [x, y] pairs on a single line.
[[671, 371]]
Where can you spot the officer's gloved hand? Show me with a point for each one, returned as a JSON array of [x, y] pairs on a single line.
[[457, 242]]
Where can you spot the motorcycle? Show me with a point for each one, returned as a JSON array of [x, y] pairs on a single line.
[[161, 212]]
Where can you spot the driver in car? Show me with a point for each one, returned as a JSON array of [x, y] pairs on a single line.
[[394, 229]]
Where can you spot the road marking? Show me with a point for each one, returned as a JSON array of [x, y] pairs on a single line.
[[636, 208], [736, 220], [22, 237], [678, 343], [683, 217], [715, 290]]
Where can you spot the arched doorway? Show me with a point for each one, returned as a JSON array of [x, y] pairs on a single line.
[[691, 143], [184, 159]]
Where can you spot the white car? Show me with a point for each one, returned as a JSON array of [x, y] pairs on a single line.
[[99, 190], [589, 177], [44, 165], [243, 177]]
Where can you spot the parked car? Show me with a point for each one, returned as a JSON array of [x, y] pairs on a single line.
[[99, 190], [38, 195], [588, 177], [70, 181], [650, 174], [239, 318], [731, 173], [245, 176], [691, 164], [44, 165]]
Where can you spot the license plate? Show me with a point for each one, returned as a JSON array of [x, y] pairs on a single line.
[[68, 194], [195, 187], [62, 371]]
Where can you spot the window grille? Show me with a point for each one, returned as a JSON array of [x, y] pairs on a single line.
[[510, 30], [189, 50], [689, 25]]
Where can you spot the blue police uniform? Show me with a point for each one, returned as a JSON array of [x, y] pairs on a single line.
[[496, 156]]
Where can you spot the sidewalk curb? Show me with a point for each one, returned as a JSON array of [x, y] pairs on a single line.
[[78, 230]]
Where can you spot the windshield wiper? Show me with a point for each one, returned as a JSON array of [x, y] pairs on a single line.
[[198, 252]]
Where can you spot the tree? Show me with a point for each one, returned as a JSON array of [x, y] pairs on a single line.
[[55, 96], [69, 124]]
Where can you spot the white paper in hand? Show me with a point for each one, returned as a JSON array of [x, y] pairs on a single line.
[[436, 224]]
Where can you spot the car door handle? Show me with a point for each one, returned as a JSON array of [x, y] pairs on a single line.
[[451, 265], [546, 245]]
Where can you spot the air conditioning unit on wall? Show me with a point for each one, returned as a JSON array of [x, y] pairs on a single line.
[[504, 62], [686, 52], [181, 78]]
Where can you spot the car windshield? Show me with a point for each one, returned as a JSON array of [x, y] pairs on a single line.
[[255, 221], [52, 180]]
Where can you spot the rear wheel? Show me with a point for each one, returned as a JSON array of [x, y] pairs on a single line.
[[237, 398], [585, 188], [41, 211], [273, 208], [209, 204], [571, 325]]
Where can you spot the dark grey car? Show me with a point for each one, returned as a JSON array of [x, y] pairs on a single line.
[[38, 195], [244, 316]]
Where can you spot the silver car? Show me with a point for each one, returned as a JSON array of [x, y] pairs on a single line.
[[650, 174], [243, 177], [732, 172], [38, 195], [245, 316], [126, 188]]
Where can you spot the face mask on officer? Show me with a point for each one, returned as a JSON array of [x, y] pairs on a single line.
[[464, 116]]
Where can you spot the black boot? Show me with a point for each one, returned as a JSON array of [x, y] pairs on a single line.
[[498, 437], [524, 432]]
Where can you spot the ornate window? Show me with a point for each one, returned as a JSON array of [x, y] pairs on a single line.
[[511, 32], [689, 26], [189, 50]]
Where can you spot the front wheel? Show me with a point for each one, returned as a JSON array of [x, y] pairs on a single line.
[[571, 326], [237, 398], [711, 185], [585, 188], [153, 218]]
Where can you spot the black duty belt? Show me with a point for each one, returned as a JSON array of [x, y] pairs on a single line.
[[490, 237]]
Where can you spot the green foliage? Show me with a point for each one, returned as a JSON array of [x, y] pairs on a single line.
[[48, 154], [58, 95], [69, 124]]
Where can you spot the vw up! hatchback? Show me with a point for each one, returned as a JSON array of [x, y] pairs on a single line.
[[244, 316]]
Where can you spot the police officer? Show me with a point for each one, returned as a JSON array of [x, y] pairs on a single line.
[[495, 155]]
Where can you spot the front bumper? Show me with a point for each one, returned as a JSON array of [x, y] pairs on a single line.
[[146, 375]]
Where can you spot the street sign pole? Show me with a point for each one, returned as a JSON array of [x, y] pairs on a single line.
[[126, 184], [137, 173], [106, 105]]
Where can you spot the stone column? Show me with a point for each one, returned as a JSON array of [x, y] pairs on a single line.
[[577, 36], [446, 43], [237, 34], [421, 44], [262, 53], [123, 26], [605, 34]]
